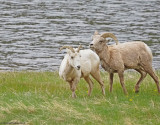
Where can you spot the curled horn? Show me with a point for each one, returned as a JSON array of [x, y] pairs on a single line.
[[69, 47], [79, 48], [105, 35]]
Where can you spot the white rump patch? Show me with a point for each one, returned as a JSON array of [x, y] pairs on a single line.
[[148, 49]]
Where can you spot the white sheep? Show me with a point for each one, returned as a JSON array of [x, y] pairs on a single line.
[[80, 63], [117, 58]]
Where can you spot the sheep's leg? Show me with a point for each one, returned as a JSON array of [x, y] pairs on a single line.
[[111, 81], [143, 75], [121, 77], [73, 85], [150, 71], [90, 83], [70, 84], [72, 89], [97, 77]]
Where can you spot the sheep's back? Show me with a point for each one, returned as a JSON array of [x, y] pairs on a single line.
[[62, 66], [89, 61], [134, 53]]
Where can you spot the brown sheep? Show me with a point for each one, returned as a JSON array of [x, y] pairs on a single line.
[[117, 58]]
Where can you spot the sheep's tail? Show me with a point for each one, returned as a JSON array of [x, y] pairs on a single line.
[[149, 50]]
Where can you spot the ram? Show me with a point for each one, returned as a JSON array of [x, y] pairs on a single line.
[[117, 58], [80, 63]]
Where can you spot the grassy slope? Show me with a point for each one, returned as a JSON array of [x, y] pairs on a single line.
[[43, 98]]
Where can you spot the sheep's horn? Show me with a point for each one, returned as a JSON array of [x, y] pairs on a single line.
[[79, 48], [105, 35], [69, 47]]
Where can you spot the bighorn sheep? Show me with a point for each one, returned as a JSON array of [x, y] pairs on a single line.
[[117, 58], [80, 63]]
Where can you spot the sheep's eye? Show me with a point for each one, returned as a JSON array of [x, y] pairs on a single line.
[[100, 41], [72, 57]]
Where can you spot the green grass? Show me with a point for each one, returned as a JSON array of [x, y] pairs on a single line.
[[42, 98]]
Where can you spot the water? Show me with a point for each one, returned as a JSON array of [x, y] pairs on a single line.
[[32, 31]]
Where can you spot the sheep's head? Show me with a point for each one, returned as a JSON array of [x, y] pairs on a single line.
[[99, 40], [73, 56]]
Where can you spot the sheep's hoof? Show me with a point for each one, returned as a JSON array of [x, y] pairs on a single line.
[[126, 93], [103, 92], [74, 96], [136, 91], [110, 91], [89, 94]]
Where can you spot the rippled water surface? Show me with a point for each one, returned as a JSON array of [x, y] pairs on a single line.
[[31, 31]]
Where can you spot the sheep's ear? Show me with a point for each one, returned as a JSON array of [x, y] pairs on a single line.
[[96, 33]]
